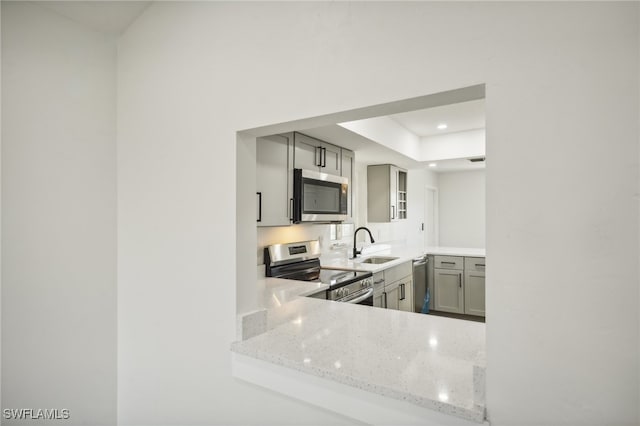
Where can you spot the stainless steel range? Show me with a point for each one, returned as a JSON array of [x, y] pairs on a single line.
[[301, 261]]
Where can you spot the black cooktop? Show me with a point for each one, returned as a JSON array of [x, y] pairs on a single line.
[[310, 270], [334, 278]]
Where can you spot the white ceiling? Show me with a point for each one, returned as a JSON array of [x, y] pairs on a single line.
[[367, 151], [458, 117], [110, 17], [456, 165]]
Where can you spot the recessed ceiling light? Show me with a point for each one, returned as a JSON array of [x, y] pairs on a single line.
[[433, 165], [442, 126]]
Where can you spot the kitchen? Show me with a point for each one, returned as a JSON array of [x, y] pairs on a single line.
[[129, 205], [393, 269], [460, 228]]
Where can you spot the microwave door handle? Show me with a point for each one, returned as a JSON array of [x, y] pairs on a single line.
[[290, 208]]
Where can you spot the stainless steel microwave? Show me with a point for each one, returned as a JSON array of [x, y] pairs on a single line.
[[319, 197]]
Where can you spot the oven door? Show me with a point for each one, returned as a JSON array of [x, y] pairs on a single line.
[[319, 197], [360, 299]]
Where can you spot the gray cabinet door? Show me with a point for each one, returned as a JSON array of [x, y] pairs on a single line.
[[314, 154], [331, 159], [474, 289], [378, 300], [393, 192], [405, 295], [431, 283], [307, 154], [348, 171], [392, 296], [383, 182], [449, 290], [274, 183]]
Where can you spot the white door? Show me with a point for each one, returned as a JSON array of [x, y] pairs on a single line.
[[431, 217]]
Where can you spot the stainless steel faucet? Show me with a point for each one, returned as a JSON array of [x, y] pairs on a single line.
[[356, 252]]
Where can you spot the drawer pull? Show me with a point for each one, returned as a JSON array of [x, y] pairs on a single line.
[[480, 264], [448, 263]]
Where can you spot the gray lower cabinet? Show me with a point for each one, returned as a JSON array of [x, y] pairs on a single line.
[[393, 288], [474, 293], [405, 296], [458, 284], [449, 291], [378, 299], [392, 296]]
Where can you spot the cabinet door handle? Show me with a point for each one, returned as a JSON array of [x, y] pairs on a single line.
[[393, 212], [384, 294], [290, 208], [402, 292], [318, 156], [324, 157], [259, 206], [460, 279]]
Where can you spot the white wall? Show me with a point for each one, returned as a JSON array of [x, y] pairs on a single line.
[[461, 205], [58, 216], [453, 145], [191, 75]]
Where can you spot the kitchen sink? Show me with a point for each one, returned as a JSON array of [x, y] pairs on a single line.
[[376, 260]]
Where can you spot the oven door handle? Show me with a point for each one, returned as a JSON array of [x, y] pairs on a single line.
[[360, 298]]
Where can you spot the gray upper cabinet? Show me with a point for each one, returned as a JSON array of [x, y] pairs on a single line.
[[348, 170], [386, 193], [274, 183], [314, 154]]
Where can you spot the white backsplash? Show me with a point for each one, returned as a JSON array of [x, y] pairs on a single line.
[[303, 232]]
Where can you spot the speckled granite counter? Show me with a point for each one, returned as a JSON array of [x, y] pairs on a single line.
[[432, 362], [403, 254]]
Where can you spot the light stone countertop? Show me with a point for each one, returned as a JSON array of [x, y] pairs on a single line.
[[433, 362], [403, 253]]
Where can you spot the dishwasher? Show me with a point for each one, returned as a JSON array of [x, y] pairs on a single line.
[[419, 282]]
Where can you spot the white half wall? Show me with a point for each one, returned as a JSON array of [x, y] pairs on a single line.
[[462, 209], [58, 217], [191, 74]]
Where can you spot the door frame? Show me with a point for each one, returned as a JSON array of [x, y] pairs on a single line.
[[428, 191]]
